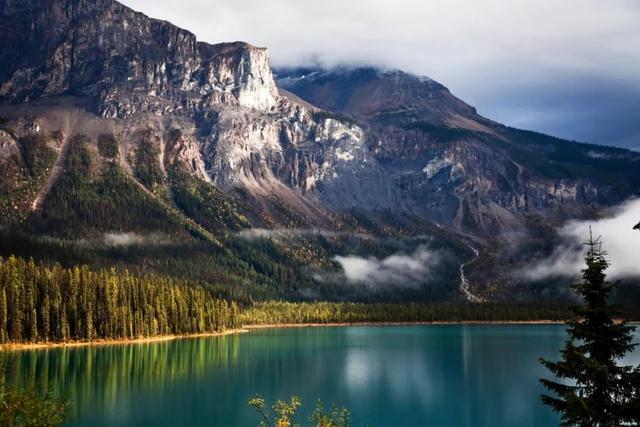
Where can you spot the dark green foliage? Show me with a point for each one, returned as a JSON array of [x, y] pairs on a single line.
[[279, 312], [94, 198], [147, 162], [90, 198], [441, 133], [108, 146], [40, 304], [243, 273], [28, 408], [21, 176], [206, 205], [595, 391], [552, 157], [35, 153]]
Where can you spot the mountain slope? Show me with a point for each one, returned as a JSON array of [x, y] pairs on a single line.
[[125, 141], [460, 167]]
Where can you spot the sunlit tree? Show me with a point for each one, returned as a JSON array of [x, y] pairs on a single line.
[[39, 303], [282, 414]]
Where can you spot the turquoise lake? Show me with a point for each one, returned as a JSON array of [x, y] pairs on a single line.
[[450, 375]]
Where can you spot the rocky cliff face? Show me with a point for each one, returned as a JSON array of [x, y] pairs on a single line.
[[399, 142], [104, 49], [133, 66], [453, 165]]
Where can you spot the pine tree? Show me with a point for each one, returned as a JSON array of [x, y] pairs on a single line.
[[3, 315], [30, 316], [596, 391], [45, 315], [14, 296], [40, 303]]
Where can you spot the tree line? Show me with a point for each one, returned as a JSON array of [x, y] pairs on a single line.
[[42, 303], [281, 312]]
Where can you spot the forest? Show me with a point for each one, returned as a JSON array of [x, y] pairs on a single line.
[[48, 303], [280, 312], [41, 303]]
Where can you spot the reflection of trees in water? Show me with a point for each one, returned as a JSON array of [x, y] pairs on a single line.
[[97, 375]]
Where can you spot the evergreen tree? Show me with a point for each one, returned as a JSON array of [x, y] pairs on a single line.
[[3, 315], [39, 303], [595, 391], [14, 296]]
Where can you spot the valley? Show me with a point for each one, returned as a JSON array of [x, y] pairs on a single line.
[[354, 184]]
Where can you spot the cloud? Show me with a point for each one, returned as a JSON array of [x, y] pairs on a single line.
[[295, 233], [407, 270], [134, 239], [123, 239], [621, 243], [527, 63]]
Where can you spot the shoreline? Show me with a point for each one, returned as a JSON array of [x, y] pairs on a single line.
[[417, 323], [122, 341], [249, 328]]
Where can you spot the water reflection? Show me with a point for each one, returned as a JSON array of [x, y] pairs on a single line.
[[103, 377], [400, 376]]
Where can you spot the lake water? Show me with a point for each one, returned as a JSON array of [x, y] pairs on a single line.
[[457, 375]]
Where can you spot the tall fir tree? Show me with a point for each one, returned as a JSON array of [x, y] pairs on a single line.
[[39, 303], [595, 390], [3, 315]]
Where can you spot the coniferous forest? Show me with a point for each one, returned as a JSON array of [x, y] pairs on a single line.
[[39, 303]]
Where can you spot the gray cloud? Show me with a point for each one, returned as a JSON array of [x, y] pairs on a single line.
[[134, 239], [583, 108], [407, 270], [123, 239], [295, 233], [620, 242], [564, 67]]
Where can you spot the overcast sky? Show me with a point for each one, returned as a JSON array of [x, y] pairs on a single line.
[[566, 67]]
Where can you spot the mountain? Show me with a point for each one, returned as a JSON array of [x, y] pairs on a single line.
[[458, 167], [125, 141]]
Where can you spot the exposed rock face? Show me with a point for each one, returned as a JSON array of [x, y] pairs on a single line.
[[183, 150], [324, 159], [104, 49], [409, 145], [234, 74], [453, 165], [369, 92], [246, 135]]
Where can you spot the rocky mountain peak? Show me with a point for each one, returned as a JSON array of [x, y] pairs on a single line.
[[242, 70], [121, 57], [370, 91]]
